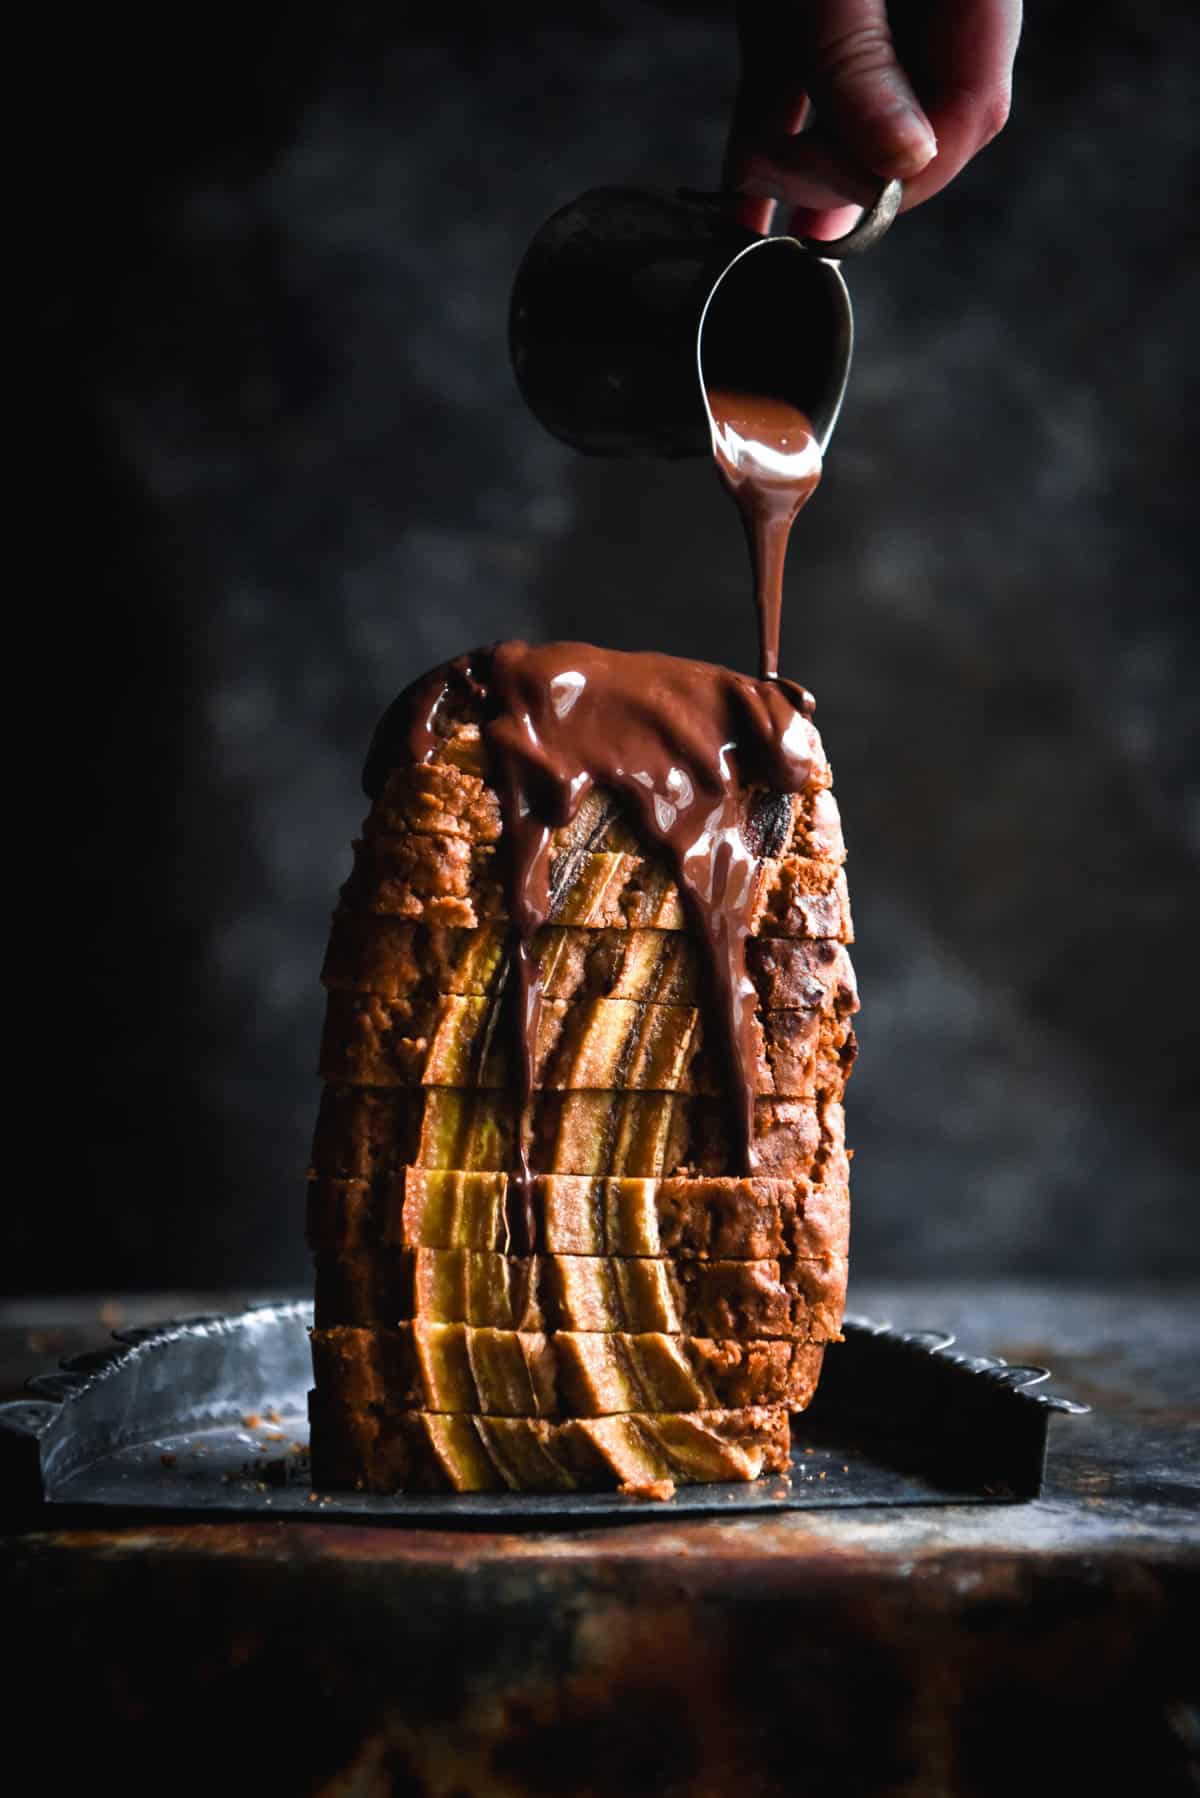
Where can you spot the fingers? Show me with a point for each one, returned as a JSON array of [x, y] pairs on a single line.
[[864, 76], [813, 179], [870, 126], [807, 170], [770, 105], [824, 223], [962, 60], [965, 123], [860, 92]]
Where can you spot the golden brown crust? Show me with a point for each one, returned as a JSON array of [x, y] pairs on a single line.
[[583, 1045], [722, 1219], [419, 1451], [505, 1373], [804, 1299], [366, 1133]]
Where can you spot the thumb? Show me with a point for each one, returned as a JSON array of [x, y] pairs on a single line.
[[859, 91]]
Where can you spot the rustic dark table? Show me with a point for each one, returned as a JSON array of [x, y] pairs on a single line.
[[1007, 1649]]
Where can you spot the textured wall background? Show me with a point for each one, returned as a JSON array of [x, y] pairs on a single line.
[[291, 469]]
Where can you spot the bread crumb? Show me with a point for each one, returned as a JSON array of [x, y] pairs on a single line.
[[658, 1490]]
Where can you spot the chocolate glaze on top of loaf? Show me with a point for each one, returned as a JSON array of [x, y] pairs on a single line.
[[678, 742]]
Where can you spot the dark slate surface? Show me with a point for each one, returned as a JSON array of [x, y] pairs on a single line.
[[290, 468], [974, 1650]]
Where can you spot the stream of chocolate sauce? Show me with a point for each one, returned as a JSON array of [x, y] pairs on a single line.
[[768, 457], [679, 742]]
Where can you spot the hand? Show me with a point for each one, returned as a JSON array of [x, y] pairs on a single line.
[[908, 88]]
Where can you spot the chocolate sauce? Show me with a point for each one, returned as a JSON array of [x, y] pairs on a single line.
[[769, 459], [679, 742]]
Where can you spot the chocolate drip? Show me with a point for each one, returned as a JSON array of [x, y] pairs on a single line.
[[770, 461], [416, 724], [679, 742]]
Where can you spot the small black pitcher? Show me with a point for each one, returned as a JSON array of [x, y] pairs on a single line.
[[630, 304]]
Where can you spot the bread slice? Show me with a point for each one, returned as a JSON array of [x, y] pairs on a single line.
[[434, 799], [774, 1298], [372, 1133], [582, 1044], [420, 1451], [506, 1373], [725, 1219], [446, 880], [399, 960]]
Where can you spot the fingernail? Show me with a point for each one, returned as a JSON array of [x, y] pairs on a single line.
[[917, 145]]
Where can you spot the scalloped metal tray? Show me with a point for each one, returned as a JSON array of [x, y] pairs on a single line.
[[207, 1415]]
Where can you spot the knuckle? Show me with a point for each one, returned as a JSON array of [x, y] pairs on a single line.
[[994, 116], [988, 113], [858, 54]]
